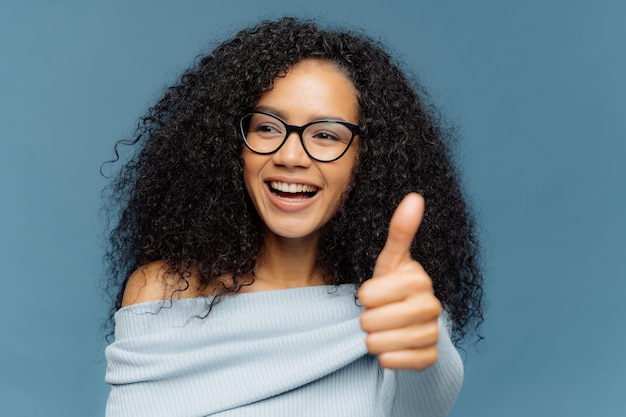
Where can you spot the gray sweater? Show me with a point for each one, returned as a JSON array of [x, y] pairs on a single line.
[[293, 352]]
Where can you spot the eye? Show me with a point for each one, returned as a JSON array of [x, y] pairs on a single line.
[[328, 133], [326, 136], [265, 126]]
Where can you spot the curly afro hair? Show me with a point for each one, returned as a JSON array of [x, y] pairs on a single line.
[[181, 197]]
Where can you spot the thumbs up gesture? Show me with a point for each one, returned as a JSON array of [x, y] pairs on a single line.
[[401, 307]]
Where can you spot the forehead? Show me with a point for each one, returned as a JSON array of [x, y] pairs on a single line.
[[312, 88]]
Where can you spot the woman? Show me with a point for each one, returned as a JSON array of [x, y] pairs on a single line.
[[257, 208]]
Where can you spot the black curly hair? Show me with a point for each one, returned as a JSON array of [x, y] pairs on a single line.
[[181, 198]]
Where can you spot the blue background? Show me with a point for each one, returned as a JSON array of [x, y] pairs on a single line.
[[537, 89]]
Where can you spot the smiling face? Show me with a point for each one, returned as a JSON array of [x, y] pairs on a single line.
[[294, 194]]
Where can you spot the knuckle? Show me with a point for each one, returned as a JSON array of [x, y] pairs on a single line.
[[417, 280], [427, 357], [425, 335], [424, 307], [436, 305], [416, 272], [430, 305]]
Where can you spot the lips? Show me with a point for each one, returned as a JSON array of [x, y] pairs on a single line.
[[292, 190]]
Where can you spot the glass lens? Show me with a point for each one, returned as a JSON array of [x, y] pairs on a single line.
[[326, 140], [263, 133]]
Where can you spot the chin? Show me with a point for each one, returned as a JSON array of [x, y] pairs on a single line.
[[295, 231]]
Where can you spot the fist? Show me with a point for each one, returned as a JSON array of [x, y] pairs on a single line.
[[401, 308]]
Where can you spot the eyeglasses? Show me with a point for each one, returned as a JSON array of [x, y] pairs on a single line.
[[322, 140]]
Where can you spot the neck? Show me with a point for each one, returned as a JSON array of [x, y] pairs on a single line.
[[287, 263]]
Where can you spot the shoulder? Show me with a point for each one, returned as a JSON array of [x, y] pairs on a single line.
[[154, 281]]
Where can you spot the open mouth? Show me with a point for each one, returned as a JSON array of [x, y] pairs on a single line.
[[292, 191]]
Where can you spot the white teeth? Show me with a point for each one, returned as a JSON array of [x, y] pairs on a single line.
[[292, 188]]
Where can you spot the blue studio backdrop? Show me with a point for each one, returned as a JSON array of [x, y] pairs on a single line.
[[535, 88]]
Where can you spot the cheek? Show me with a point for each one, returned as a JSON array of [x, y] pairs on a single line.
[[344, 178]]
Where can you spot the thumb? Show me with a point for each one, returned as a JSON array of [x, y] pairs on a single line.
[[403, 226]]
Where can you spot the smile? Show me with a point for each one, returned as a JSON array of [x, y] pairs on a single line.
[[291, 190]]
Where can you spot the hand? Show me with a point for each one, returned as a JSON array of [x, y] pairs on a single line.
[[401, 307]]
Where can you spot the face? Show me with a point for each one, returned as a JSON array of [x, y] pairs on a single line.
[[294, 194]]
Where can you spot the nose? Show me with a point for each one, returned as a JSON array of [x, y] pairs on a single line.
[[292, 153]]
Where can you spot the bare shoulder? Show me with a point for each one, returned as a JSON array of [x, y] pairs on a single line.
[[152, 282]]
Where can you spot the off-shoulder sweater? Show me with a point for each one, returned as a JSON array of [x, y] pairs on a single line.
[[294, 352]]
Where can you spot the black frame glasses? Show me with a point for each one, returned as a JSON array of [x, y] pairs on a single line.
[[244, 123]]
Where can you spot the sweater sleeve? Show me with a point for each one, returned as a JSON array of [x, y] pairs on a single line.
[[433, 391]]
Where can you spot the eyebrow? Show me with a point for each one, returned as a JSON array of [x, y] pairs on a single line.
[[276, 112]]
